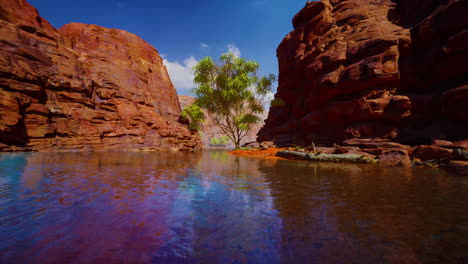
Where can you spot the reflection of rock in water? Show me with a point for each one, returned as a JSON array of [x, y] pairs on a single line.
[[342, 213], [168, 206], [210, 207], [137, 190]]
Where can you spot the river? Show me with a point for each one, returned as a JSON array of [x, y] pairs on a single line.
[[211, 207]]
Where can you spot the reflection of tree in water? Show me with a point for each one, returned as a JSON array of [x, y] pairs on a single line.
[[210, 206], [341, 213], [232, 211], [236, 172]]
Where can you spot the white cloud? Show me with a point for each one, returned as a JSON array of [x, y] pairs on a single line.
[[181, 74], [203, 45], [235, 50], [267, 99], [269, 96]]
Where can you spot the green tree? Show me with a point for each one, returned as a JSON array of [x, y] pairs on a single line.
[[194, 115], [221, 140], [231, 93]]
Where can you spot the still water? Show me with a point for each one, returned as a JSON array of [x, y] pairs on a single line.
[[210, 207]]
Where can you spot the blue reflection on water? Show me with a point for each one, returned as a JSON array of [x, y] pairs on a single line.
[[58, 206], [210, 207]]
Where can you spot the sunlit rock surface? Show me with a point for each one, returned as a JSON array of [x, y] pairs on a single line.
[[365, 69], [82, 87]]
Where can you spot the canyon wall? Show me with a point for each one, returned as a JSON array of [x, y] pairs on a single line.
[[83, 87], [209, 130], [373, 68]]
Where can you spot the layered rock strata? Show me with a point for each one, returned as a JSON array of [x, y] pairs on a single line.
[[82, 87], [366, 69]]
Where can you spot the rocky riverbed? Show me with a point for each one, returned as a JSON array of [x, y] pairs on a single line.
[[451, 156]]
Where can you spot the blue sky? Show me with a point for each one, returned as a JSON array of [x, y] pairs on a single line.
[[185, 31]]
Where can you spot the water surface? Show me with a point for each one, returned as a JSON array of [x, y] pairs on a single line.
[[210, 207]]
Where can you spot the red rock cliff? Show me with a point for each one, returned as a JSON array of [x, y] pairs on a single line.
[[82, 87], [380, 68]]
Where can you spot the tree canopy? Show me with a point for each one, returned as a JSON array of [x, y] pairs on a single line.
[[194, 115], [231, 93], [221, 140]]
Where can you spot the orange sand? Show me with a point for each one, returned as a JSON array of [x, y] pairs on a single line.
[[258, 153]]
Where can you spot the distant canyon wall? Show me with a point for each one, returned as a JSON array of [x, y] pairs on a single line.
[[209, 130], [83, 87], [373, 68]]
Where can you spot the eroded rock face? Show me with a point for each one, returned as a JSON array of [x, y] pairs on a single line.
[[82, 87], [367, 69]]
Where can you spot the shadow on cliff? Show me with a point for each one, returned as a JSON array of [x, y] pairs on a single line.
[[433, 69], [16, 135], [409, 13]]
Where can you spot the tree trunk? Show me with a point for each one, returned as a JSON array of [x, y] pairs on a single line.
[[237, 143]]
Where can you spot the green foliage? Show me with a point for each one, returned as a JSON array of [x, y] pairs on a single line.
[[194, 115], [231, 93], [243, 148], [277, 102], [221, 140]]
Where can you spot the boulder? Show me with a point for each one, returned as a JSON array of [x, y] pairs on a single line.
[[425, 152], [373, 143], [395, 157], [253, 144], [353, 150], [267, 144], [324, 150]]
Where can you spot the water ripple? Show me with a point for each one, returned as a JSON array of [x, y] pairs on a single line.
[[209, 207]]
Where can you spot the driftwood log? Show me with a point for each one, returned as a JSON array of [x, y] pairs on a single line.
[[293, 154], [348, 158]]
